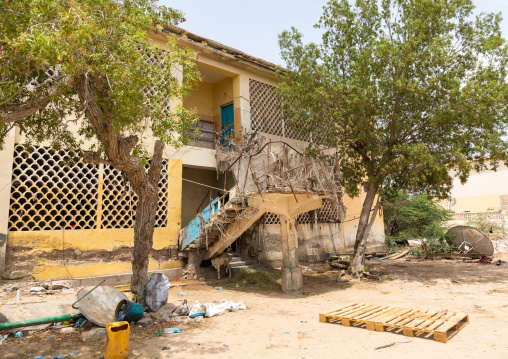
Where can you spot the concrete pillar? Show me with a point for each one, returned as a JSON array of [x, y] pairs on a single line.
[[6, 158], [241, 103], [292, 278]]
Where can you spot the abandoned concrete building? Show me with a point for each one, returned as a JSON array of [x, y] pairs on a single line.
[[58, 221]]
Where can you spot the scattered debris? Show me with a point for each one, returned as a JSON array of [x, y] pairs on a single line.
[[164, 313], [37, 290], [462, 256], [99, 304], [335, 262], [157, 291], [128, 311], [485, 259], [225, 306], [385, 346], [395, 255], [471, 240], [390, 345], [189, 272], [499, 262]]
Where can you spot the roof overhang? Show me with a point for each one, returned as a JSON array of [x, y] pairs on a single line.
[[224, 52]]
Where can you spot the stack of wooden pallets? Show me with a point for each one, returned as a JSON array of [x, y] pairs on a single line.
[[442, 324]]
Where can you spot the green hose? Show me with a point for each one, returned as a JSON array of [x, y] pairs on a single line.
[[30, 322]]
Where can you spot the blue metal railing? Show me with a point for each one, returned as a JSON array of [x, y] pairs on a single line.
[[194, 227]]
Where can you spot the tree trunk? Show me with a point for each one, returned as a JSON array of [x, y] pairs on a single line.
[[146, 212], [118, 149], [364, 225]]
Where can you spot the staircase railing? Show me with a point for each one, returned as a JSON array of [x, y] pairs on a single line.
[[195, 226]]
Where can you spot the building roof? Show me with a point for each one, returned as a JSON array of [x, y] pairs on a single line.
[[217, 47]]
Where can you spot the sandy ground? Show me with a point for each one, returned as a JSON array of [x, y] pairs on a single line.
[[276, 325]]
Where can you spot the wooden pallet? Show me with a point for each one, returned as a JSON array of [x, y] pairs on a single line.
[[443, 325]]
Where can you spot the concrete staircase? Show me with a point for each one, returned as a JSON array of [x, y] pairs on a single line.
[[219, 225], [239, 263]]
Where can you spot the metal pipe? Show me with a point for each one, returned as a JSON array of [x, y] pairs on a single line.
[[30, 322]]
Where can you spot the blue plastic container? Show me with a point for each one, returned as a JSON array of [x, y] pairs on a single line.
[[133, 313]]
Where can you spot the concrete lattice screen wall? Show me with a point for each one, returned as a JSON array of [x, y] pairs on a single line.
[[120, 202], [69, 218], [48, 194], [327, 214], [266, 112]]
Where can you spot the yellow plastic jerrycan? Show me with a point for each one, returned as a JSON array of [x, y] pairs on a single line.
[[117, 340]]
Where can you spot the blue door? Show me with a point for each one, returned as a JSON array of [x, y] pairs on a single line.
[[227, 115]]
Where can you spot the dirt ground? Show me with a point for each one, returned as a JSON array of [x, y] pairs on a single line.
[[276, 325]]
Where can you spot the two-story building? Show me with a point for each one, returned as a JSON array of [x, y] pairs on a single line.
[[58, 221]]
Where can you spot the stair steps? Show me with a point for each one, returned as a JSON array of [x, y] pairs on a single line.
[[219, 225], [240, 263]]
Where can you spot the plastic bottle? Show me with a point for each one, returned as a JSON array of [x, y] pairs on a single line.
[[18, 335], [80, 322], [183, 293], [172, 330], [307, 270], [219, 288]]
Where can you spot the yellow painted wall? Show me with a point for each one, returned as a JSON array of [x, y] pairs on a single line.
[[201, 100], [222, 94], [103, 239], [46, 269], [208, 98], [477, 204], [485, 190], [354, 207]]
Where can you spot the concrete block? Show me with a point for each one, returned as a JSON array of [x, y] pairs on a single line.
[[292, 280]]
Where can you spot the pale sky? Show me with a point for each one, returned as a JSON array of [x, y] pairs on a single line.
[[253, 26]]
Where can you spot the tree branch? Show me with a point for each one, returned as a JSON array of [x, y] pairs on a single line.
[[17, 112], [156, 165], [92, 157], [126, 144]]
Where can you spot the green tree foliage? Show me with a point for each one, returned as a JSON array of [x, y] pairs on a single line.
[[77, 74], [407, 91], [414, 217]]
